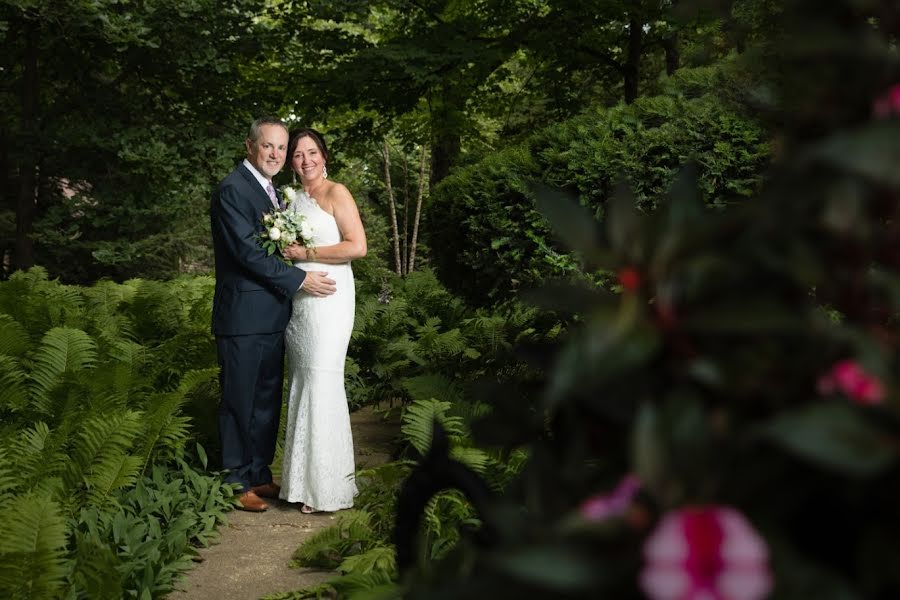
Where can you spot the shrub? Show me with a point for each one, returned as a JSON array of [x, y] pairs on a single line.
[[488, 240]]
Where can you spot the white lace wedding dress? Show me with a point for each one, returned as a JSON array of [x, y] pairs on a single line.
[[318, 462]]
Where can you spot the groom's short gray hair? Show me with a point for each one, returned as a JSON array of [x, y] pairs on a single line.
[[264, 120]]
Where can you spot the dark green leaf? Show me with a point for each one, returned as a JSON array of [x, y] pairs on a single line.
[[835, 436]]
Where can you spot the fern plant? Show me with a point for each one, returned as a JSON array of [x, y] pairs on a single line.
[[93, 391]]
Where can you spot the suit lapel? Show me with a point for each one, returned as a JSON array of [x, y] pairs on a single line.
[[259, 193]]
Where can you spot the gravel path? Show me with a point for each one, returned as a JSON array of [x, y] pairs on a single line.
[[252, 556]]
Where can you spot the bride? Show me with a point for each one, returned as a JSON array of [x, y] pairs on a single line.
[[318, 463]]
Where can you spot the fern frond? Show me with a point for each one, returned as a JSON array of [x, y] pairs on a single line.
[[19, 299], [110, 329], [474, 458], [31, 460], [377, 585], [124, 371], [35, 456], [327, 548], [114, 471], [435, 344], [441, 519], [390, 319], [106, 296], [433, 385], [95, 573], [65, 306], [364, 317], [8, 478], [14, 340], [62, 350], [489, 330], [323, 590], [165, 430], [13, 391], [32, 546], [379, 558], [100, 462], [156, 310], [196, 292], [418, 420]]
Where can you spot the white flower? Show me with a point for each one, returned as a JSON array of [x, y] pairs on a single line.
[[290, 194], [274, 234], [289, 237], [306, 231]]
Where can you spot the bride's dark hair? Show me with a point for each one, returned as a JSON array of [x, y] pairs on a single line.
[[311, 133]]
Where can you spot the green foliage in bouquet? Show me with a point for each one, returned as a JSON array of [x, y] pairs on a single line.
[[488, 239]]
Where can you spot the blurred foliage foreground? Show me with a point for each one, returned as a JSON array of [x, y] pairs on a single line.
[[727, 426]]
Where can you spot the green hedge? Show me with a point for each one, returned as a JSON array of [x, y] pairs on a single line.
[[487, 239]]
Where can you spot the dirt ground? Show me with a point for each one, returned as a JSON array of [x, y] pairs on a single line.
[[251, 559]]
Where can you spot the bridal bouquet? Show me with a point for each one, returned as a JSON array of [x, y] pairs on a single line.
[[284, 227]]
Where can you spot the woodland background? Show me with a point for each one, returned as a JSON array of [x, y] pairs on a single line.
[[622, 241]]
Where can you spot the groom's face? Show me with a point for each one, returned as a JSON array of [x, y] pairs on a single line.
[[268, 152]]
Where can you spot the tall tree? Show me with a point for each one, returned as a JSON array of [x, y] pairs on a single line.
[[457, 61], [118, 118]]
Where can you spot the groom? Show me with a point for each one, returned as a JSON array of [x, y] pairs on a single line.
[[251, 307]]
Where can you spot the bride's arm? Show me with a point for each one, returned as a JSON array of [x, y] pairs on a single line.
[[353, 242]]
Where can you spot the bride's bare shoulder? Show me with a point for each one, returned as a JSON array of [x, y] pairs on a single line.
[[338, 192]]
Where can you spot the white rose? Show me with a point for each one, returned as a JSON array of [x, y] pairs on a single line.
[[290, 194], [306, 231], [275, 234], [288, 237]]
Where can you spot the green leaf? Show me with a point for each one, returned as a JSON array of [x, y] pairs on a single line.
[[835, 436], [555, 568], [32, 544], [871, 151], [573, 223], [623, 226]]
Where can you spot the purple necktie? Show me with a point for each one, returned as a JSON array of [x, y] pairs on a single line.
[[271, 191]]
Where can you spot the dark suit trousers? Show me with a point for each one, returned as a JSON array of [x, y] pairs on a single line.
[[251, 375]]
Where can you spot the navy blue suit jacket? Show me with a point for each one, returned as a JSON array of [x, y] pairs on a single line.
[[253, 290]]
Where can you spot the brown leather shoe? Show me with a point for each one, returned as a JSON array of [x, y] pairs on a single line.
[[266, 490], [249, 501]]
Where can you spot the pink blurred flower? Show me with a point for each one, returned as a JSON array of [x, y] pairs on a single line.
[[705, 553], [629, 279], [848, 377], [606, 506], [888, 103]]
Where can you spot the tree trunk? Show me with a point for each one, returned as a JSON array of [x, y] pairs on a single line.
[[415, 233], [633, 60], [25, 205], [673, 55], [447, 120], [393, 208], [443, 156], [404, 251]]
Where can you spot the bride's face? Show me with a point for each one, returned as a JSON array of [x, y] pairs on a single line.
[[307, 160]]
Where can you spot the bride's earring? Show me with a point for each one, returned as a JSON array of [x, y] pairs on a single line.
[[324, 172]]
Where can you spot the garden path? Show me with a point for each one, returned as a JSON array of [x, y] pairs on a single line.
[[252, 556]]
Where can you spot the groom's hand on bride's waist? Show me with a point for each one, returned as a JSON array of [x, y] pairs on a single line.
[[317, 283]]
